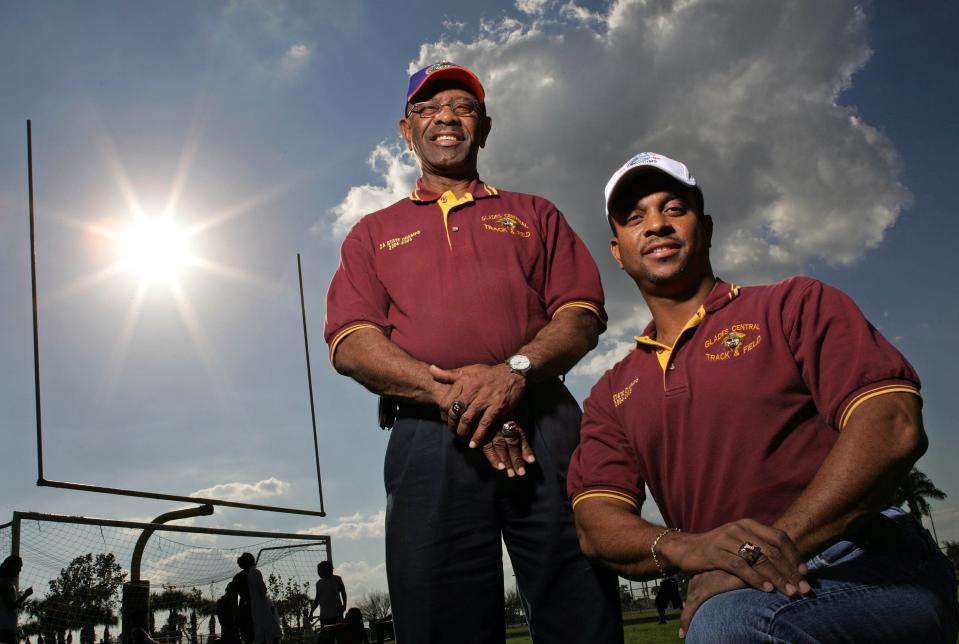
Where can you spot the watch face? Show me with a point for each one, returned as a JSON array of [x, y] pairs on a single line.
[[519, 363]]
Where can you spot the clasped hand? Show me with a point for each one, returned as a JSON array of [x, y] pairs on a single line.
[[489, 395], [713, 558]]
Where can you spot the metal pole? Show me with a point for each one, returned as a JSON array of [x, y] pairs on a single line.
[[933, 523], [15, 542], [33, 283], [198, 511], [309, 382], [15, 535], [62, 518], [83, 487]]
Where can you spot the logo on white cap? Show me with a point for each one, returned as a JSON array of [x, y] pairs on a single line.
[[675, 169], [644, 158]]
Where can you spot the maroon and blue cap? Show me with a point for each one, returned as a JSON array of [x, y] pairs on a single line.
[[445, 70]]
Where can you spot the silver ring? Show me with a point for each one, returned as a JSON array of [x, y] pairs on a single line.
[[750, 552], [457, 407], [509, 428]]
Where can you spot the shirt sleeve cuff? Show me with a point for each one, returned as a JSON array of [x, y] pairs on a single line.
[[345, 331], [606, 493], [589, 306], [871, 391]]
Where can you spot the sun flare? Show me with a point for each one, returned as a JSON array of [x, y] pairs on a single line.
[[154, 249]]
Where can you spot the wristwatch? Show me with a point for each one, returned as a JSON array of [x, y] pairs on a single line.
[[519, 364]]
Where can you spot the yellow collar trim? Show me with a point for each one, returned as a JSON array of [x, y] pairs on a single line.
[[448, 201], [491, 191], [663, 351]]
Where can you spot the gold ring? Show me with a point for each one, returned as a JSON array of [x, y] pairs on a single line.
[[509, 428]]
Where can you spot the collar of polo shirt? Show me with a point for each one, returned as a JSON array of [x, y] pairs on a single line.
[[721, 295], [476, 190], [448, 201]]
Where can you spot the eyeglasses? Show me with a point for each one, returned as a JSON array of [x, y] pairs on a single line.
[[428, 110]]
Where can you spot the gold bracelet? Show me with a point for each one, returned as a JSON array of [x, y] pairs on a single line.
[[652, 548]]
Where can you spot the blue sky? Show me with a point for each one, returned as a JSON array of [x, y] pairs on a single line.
[[824, 135]]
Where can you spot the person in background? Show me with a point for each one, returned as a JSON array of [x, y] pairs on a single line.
[[226, 614], [10, 600], [330, 595]]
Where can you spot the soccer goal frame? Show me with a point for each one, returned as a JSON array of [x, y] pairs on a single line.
[[135, 602], [19, 517], [42, 481]]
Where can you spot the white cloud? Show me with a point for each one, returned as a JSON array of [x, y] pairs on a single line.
[[353, 527], [747, 94], [298, 51], [531, 7], [451, 26], [574, 12], [397, 167], [632, 324], [295, 58], [360, 577], [237, 491], [602, 359], [614, 345]]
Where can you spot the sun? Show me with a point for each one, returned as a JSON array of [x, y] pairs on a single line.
[[155, 249]]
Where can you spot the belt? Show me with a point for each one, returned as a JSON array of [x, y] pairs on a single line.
[[389, 409]]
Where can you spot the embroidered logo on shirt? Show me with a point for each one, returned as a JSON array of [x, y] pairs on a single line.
[[390, 244], [733, 342], [507, 223], [621, 396]]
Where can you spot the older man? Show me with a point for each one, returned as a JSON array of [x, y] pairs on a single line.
[[772, 425], [461, 306]]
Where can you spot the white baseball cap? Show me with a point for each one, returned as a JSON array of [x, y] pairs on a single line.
[[651, 162]]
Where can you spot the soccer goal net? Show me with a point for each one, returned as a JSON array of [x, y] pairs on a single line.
[[79, 569]]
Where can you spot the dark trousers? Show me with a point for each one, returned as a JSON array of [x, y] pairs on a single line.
[[447, 512]]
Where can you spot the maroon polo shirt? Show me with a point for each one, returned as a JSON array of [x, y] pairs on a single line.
[[458, 281], [735, 419]]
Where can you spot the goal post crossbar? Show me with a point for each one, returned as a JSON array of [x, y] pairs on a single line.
[[86, 487], [19, 517]]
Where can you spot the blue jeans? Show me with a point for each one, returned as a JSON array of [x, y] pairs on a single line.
[[890, 583]]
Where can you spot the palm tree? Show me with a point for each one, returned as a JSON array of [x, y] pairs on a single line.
[[914, 492], [952, 551]]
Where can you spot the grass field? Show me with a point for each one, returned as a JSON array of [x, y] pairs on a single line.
[[639, 626]]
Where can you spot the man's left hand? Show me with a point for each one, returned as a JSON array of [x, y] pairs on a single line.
[[486, 392], [702, 587], [510, 453]]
